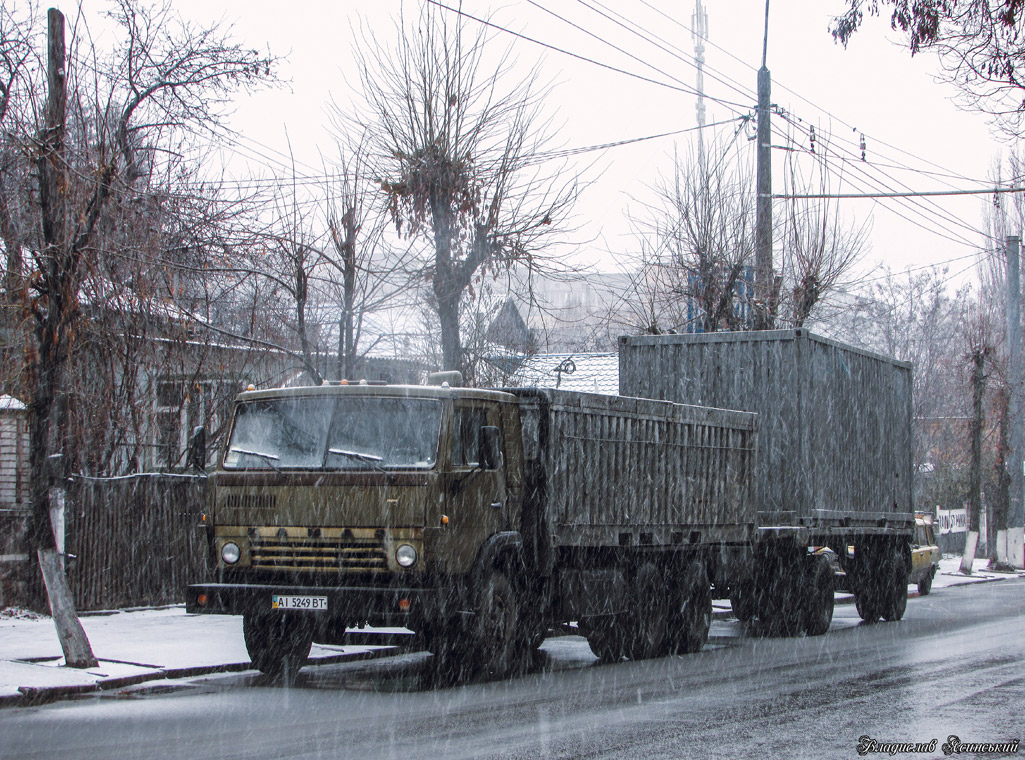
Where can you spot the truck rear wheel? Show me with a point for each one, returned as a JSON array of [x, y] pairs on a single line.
[[691, 615], [649, 633], [818, 610], [279, 644], [606, 638], [742, 600]]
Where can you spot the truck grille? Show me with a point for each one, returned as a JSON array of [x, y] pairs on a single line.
[[318, 555], [251, 501]]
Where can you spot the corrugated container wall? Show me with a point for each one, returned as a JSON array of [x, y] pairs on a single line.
[[625, 471], [835, 421]]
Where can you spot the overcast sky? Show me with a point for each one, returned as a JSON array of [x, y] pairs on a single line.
[[915, 135]]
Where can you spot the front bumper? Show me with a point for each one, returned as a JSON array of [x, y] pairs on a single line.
[[351, 605]]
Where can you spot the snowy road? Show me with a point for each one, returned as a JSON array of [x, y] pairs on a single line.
[[953, 666]]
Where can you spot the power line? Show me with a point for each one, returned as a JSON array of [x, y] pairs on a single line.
[[686, 90], [910, 194], [666, 46], [932, 210]]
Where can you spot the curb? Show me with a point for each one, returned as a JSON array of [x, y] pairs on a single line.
[[32, 696]]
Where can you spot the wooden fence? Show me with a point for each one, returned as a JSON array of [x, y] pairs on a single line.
[[137, 540]]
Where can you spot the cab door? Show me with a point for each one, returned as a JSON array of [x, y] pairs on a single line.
[[477, 500]]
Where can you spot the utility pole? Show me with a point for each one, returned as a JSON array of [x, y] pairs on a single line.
[[699, 30], [978, 357], [1014, 536], [52, 338], [763, 207]]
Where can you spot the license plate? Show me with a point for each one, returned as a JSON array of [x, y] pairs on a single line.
[[299, 602]]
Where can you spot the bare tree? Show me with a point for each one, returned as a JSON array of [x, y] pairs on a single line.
[[978, 43], [697, 242], [819, 248], [107, 124], [365, 269], [915, 317], [456, 152]]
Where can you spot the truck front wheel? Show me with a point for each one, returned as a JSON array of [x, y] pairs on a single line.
[[497, 635], [278, 644]]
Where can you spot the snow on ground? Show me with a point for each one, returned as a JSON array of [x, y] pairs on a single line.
[[128, 645]]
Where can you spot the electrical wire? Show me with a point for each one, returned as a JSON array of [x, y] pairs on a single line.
[[736, 107]]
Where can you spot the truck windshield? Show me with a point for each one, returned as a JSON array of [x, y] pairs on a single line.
[[339, 433]]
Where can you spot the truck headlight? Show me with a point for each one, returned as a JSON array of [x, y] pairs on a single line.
[[230, 553], [405, 555]]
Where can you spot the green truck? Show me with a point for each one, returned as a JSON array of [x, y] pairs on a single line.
[[482, 519], [478, 519]]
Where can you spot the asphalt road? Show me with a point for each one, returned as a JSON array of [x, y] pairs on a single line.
[[953, 666]]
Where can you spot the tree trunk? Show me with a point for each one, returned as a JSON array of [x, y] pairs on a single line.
[[447, 288], [346, 336]]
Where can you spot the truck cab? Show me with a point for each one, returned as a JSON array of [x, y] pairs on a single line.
[[341, 505]]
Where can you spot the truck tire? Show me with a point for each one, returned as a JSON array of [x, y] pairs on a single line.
[[895, 590], [606, 637], [925, 585], [691, 615], [865, 602], [818, 609], [649, 629], [781, 593], [279, 644], [742, 600], [496, 638]]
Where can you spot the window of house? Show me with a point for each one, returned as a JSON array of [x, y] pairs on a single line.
[[180, 407]]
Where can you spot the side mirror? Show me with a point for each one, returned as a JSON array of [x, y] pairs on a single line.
[[490, 452], [197, 449]]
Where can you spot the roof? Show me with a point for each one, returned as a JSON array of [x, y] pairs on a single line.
[[589, 373], [9, 403]]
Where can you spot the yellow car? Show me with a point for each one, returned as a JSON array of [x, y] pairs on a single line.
[[925, 554]]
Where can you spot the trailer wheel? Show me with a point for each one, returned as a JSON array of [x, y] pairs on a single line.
[[781, 593], [895, 592], [818, 610], [925, 585], [496, 629], [649, 634], [278, 644], [692, 610], [866, 605]]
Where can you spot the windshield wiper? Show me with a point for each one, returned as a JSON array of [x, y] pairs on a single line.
[[373, 459], [271, 458]]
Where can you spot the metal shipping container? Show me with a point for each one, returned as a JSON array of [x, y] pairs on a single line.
[[636, 472], [834, 421]]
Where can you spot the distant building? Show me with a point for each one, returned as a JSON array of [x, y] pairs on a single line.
[[585, 372]]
